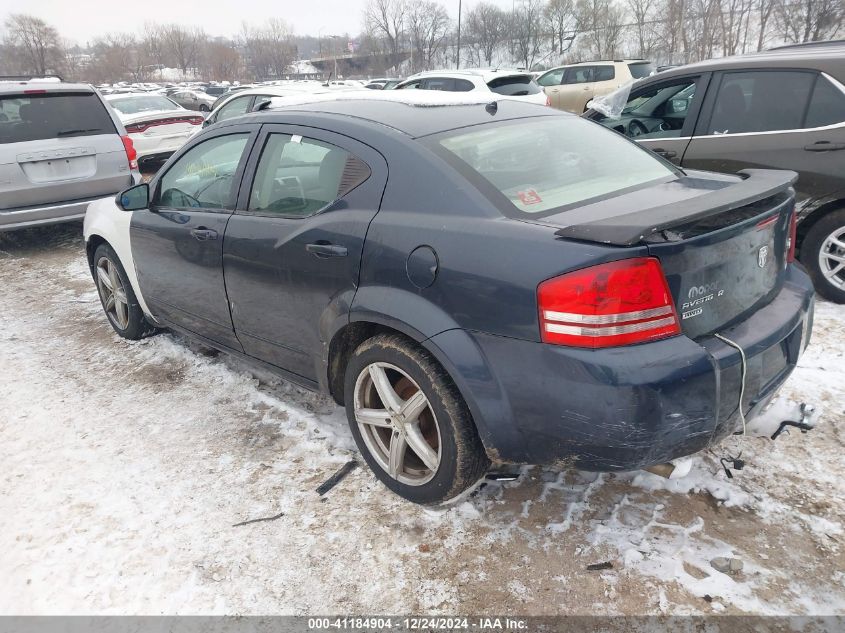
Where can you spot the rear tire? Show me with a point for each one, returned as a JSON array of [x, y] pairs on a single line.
[[440, 454], [117, 297], [824, 242]]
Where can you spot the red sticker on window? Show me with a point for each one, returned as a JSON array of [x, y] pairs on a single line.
[[529, 196]]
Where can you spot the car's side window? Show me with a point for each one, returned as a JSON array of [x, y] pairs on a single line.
[[827, 105], [204, 176], [438, 83], [657, 112], [462, 85], [414, 85], [579, 75], [235, 107], [604, 73], [553, 78], [297, 176], [760, 101]]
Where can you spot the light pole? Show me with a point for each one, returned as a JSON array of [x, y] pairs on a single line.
[[334, 52], [458, 56]]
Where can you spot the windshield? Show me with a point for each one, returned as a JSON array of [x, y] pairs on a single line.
[[136, 105], [529, 165]]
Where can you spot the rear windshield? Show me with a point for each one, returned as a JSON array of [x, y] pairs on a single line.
[[514, 85], [641, 69], [45, 116], [136, 105], [546, 163]]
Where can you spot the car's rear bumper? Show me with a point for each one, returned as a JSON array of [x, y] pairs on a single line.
[[631, 407], [53, 213]]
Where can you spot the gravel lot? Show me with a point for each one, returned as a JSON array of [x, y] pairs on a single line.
[[126, 465]]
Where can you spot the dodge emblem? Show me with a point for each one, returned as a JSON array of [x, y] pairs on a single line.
[[762, 256]]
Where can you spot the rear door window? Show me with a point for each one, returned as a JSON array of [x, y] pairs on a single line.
[[297, 176], [46, 116], [827, 105], [579, 75], [604, 73], [514, 85], [438, 83], [761, 101]]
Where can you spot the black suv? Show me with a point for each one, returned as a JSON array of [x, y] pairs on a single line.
[[783, 108]]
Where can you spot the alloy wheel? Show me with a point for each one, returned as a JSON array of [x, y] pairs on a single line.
[[832, 258], [112, 293], [397, 424]]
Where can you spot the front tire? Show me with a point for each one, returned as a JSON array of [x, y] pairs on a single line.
[[823, 253], [409, 421], [117, 297]]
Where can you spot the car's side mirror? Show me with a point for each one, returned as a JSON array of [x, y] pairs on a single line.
[[135, 198]]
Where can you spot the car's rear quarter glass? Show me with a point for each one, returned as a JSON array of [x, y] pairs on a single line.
[[544, 164], [34, 117]]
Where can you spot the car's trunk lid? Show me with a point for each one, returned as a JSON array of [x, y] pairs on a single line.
[[722, 241]]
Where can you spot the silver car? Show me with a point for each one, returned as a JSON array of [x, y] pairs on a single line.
[[61, 147]]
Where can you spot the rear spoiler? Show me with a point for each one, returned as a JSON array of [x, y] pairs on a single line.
[[633, 228]]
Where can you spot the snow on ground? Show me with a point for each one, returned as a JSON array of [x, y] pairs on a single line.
[[126, 466]]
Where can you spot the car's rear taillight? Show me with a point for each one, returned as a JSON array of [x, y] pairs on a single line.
[[131, 154], [793, 237], [618, 303]]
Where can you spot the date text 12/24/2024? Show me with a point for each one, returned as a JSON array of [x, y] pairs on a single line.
[[420, 623]]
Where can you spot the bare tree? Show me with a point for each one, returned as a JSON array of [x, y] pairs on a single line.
[[486, 26], [733, 16], [385, 19], [182, 45], [601, 22], [763, 10], [561, 20], [221, 60], [810, 20], [35, 43], [526, 32], [644, 17], [428, 26]]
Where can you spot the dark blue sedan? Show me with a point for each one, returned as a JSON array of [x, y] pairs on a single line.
[[483, 283]]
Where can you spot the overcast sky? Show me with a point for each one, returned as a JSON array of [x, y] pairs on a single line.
[[81, 20]]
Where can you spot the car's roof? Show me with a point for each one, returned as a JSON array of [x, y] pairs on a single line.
[[403, 110], [484, 73], [599, 62], [825, 56], [47, 85]]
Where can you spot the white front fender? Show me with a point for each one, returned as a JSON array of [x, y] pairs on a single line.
[[108, 221]]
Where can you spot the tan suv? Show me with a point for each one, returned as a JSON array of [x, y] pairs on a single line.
[[571, 87]]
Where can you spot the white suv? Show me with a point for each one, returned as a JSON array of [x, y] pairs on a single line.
[[61, 147], [514, 84]]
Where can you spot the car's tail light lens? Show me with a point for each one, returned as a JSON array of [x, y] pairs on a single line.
[[618, 303], [131, 154], [793, 237]]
